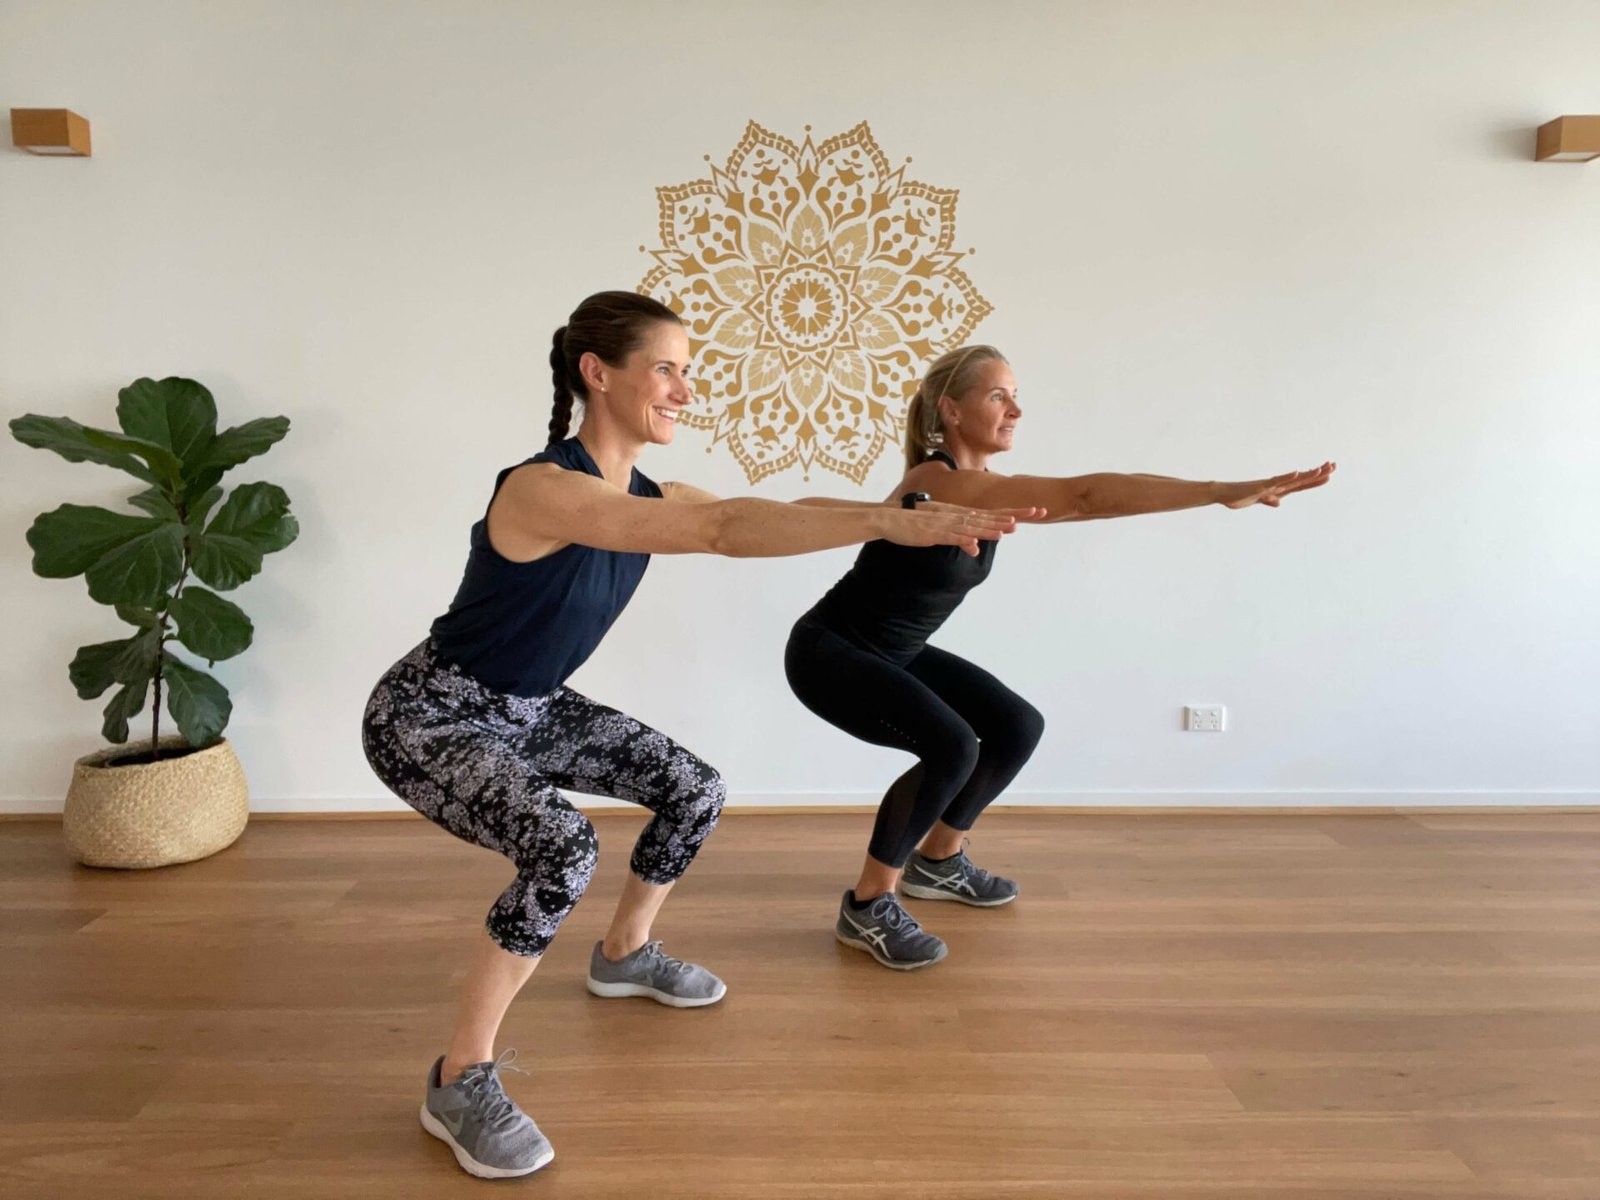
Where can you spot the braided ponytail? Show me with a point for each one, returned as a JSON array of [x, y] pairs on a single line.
[[561, 415]]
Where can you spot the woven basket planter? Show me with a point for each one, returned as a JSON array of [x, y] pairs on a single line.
[[155, 814]]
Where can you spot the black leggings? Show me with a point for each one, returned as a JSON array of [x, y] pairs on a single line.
[[971, 734], [486, 765]]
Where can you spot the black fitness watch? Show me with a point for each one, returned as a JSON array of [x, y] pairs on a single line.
[[912, 499]]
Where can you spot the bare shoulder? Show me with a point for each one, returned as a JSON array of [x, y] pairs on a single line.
[[535, 480], [952, 485], [521, 513], [924, 477]]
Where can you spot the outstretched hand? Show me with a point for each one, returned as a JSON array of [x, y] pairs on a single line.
[[1022, 516], [1272, 491]]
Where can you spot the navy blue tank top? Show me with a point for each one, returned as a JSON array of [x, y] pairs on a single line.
[[523, 628], [895, 597]]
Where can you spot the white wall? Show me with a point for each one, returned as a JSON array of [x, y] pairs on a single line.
[[1221, 239]]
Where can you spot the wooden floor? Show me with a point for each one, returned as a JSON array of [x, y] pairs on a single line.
[[1248, 1007]]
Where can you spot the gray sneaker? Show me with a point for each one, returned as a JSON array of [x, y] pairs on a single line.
[[650, 971], [490, 1136], [887, 932], [956, 878]]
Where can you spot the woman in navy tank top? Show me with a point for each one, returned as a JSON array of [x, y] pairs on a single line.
[[860, 658], [477, 730]]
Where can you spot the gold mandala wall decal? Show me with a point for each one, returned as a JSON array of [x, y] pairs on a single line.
[[815, 283]]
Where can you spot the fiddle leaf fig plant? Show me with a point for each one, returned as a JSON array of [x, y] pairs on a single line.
[[149, 565]]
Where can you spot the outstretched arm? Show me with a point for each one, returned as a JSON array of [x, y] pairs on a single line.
[[1105, 495], [541, 508]]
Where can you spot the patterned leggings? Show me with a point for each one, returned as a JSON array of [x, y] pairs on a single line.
[[486, 765]]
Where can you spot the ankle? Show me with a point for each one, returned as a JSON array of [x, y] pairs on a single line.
[[615, 948], [939, 849], [452, 1069]]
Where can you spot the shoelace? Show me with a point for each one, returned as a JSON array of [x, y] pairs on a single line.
[[489, 1100], [654, 952], [895, 917]]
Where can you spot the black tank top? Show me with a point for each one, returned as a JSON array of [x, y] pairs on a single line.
[[895, 597], [524, 628]]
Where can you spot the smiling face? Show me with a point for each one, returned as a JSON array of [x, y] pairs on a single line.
[[984, 417], [645, 393]]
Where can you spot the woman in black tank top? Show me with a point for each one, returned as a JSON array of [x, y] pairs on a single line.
[[477, 730], [860, 659]]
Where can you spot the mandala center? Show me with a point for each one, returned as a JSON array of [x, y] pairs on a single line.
[[806, 307]]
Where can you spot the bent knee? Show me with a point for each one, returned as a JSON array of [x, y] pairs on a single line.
[[712, 795], [1029, 725], [953, 757], [567, 850]]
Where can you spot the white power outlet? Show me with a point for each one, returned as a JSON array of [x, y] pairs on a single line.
[[1205, 718]]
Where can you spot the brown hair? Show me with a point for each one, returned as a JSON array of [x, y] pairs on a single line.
[[950, 375], [610, 325]]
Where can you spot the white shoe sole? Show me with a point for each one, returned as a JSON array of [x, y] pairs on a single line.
[[613, 991], [928, 893], [471, 1165], [889, 962]]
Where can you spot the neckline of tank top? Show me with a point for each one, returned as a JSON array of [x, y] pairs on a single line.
[[946, 459], [590, 467]]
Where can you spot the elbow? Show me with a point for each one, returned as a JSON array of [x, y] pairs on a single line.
[[1082, 505], [721, 534]]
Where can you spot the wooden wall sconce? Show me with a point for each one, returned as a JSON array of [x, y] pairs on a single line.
[[1569, 139], [54, 131]]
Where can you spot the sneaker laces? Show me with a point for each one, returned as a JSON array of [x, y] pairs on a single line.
[[654, 952], [488, 1097], [888, 907]]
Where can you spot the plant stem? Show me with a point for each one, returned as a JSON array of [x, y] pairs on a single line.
[[161, 638]]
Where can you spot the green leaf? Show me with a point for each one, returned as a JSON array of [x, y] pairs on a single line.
[[163, 462], [70, 540], [197, 702], [141, 571], [126, 704], [176, 413], [225, 563], [254, 521], [257, 513], [90, 669], [156, 502], [144, 618], [212, 627], [200, 508], [200, 484], [69, 439], [241, 443], [95, 668]]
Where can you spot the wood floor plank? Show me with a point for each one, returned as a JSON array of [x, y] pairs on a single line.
[[1236, 1006]]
